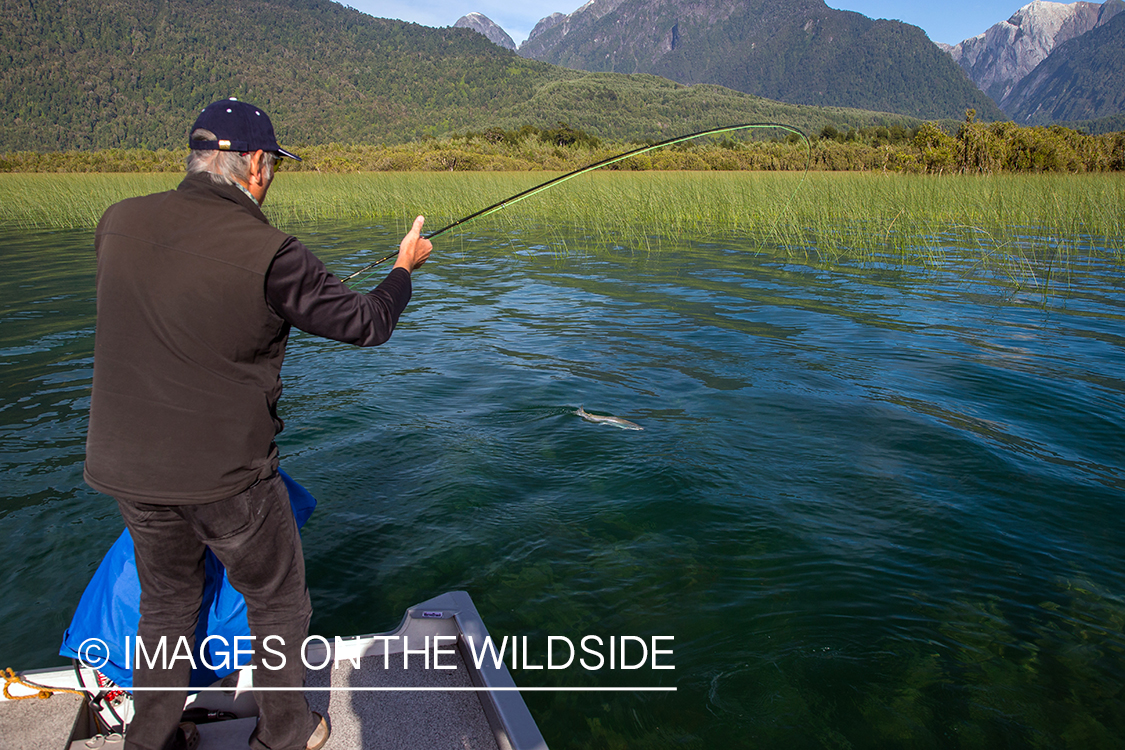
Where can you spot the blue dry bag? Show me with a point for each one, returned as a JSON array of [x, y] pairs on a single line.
[[110, 608]]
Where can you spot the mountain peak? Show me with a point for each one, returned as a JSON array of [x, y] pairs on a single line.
[[482, 24], [798, 51], [997, 59], [1079, 80]]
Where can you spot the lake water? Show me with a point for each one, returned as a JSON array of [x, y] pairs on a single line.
[[874, 506]]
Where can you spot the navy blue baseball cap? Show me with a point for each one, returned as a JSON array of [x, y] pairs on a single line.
[[239, 127]]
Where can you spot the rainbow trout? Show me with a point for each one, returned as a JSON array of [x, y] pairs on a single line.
[[624, 424]]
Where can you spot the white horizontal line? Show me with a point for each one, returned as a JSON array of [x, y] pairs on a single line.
[[372, 689]]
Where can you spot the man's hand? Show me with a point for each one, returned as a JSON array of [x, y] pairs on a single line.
[[413, 250]]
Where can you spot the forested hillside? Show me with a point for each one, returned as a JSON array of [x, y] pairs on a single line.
[[129, 73], [798, 51], [124, 72]]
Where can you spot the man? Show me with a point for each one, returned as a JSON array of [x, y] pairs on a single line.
[[196, 294]]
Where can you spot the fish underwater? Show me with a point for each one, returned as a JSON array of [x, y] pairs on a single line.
[[624, 424]]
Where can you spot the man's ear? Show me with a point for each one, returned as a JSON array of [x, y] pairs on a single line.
[[257, 173]]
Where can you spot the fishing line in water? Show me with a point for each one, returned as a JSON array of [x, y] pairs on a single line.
[[512, 200]]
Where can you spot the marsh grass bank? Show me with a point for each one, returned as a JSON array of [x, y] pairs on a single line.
[[1025, 220]]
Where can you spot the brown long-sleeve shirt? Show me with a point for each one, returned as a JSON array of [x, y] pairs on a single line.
[[303, 292]]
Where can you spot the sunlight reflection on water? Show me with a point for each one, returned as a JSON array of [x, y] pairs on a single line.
[[866, 501]]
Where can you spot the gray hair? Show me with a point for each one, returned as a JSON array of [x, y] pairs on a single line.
[[225, 167]]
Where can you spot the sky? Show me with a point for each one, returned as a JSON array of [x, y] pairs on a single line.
[[949, 21]]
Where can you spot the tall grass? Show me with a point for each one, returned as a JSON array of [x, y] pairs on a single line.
[[829, 216], [70, 201]]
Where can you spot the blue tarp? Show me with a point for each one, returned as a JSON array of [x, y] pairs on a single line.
[[110, 609]]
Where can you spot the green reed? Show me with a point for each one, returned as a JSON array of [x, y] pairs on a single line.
[[1024, 222], [70, 201], [831, 215]]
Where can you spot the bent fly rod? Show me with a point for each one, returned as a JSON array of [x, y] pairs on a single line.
[[501, 205]]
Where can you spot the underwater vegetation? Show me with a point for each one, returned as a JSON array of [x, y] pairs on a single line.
[[966, 673]]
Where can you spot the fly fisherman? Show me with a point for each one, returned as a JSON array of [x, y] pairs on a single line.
[[196, 293]]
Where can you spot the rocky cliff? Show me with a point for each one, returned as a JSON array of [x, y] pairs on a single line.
[[482, 24], [1004, 54], [1082, 79]]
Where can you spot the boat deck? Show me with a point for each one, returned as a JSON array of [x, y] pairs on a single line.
[[371, 700]]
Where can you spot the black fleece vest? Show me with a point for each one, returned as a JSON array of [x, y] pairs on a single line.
[[187, 353]]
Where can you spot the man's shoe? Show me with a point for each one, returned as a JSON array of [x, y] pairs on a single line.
[[319, 735]]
